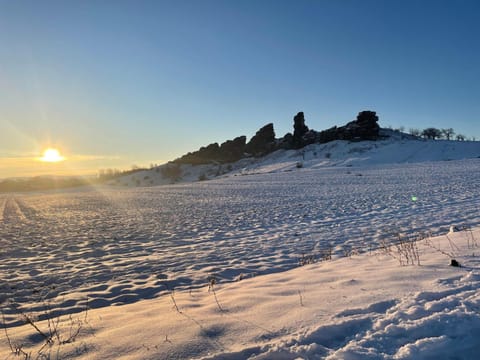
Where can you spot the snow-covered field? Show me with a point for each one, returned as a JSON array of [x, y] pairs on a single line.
[[114, 246]]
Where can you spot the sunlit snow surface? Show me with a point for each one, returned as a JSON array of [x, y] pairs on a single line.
[[122, 245]]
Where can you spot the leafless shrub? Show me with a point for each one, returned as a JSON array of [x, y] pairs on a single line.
[[453, 246], [408, 251], [453, 249], [323, 254], [471, 240], [349, 251], [436, 246], [403, 249], [306, 259], [55, 331], [326, 254], [187, 316]]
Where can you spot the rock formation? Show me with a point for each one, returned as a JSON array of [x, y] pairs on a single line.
[[299, 130], [365, 127], [263, 142]]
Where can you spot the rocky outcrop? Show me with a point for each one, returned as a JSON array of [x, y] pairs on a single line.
[[263, 142], [365, 127], [299, 130], [233, 150], [205, 155], [229, 151]]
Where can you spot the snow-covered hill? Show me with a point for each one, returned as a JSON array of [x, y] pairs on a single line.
[[397, 148]]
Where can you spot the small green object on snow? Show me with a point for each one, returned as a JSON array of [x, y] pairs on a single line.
[[414, 198]]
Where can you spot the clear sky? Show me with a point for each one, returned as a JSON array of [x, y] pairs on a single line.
[[117, 83]]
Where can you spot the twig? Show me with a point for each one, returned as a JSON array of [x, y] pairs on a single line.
[[30, 321], [172, 296], [301, 298], [212, 288], [453, 246], [6, 332]]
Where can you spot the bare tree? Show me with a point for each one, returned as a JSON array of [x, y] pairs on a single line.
[[448, 133], [432, 133], [415, 132]]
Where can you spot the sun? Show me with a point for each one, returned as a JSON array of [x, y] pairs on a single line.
[[52, 155]]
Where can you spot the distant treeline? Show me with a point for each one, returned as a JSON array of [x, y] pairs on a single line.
[[41, 183], [38, 183], [434, 133], [109, 174]]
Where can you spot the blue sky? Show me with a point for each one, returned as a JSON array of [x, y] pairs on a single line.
[[116, 83]]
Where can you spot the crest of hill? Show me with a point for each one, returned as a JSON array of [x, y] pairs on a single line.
[[360, 142], [365, 127]]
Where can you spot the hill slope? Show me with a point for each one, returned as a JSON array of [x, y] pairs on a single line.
[[396, 148]]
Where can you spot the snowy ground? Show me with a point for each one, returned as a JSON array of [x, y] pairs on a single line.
[[129, 246], [396, 149]]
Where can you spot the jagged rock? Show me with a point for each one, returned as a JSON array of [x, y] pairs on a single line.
[[309, 137], [205, 155], [300, 129], [365, 127], [328, 135], [233, 150], [229, 151], [286, 141], [262, 142]]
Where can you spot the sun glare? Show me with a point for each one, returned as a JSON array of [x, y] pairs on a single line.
[[52, 155]]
